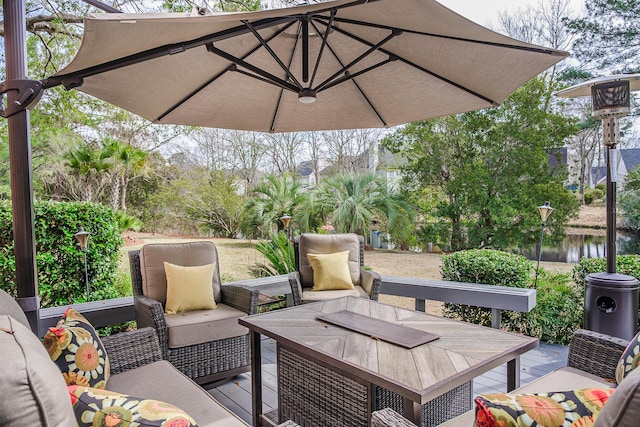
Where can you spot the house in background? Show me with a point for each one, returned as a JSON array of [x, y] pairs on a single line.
[[628, 160], [304, 174]]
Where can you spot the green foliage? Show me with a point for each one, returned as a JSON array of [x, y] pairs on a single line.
[[608, 36], [278, 252], [271, 199], [486, 171], [625, 264], [486, 266], [350, 202], [629, 200], [61, 278], [591, 195], [558, 312], [127, 222], [193, 201]]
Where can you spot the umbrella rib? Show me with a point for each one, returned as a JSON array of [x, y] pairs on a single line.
[[349, 76], [220, 74], [276, 80], [74, 79], [366, 98], [322, 46], [419, 67], [293, 52], [273, 54], [344, 69], [442, 36]]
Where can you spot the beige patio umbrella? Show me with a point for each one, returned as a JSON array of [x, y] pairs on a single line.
[[338, 65]]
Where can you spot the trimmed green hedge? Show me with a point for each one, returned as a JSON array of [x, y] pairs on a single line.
[[486, 266], [60, 263], [625, 264], [559, 307]]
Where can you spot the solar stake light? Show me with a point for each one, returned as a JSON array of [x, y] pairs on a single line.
[[286, 220], [83, 241], [545, 210]]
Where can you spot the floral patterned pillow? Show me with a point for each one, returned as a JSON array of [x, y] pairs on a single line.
[[76, 349], [629, 360], [575, 408], [97, 407]]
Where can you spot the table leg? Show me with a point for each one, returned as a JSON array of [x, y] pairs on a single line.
[[513, 374], [256, 378], [420, 305], [412, 411]]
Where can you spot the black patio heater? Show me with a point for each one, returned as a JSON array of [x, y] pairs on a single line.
[[611, 299]]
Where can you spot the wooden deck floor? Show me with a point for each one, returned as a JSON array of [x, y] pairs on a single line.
[[236, 394]]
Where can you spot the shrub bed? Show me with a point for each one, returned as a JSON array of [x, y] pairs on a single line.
[[559, 308], [60, 264]]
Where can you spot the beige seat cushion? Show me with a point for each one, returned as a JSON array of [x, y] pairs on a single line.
[[161, 381], [310, 243], [558, 380], [32, 388], [191, 254], [310, 296], [196, 327]]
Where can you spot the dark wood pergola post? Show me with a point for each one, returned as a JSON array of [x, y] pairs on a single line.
[[20, 163]]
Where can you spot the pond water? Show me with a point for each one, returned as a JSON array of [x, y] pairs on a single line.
[[577, 246]]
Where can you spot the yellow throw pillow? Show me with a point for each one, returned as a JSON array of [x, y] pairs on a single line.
[[189, 288], [330, 271]]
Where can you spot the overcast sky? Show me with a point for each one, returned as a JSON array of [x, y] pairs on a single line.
[[486, 12]]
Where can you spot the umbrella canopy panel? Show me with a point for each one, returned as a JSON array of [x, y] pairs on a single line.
[[374, 64]]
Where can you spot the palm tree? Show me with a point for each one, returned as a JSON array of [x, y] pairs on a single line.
[[89, 166], [129, 162], [271, 199], [352, 201]]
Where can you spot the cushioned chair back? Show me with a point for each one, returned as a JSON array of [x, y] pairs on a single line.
[[10, 307], [191, 254], [309, 243]]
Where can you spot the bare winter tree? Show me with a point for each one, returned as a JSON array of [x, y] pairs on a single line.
[[247, 151], [345, 148], [285, 151], [316, 148]]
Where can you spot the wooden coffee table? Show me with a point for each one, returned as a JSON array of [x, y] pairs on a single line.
[[332, 375]]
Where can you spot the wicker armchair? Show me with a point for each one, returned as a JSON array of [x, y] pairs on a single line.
[[206, 345], [366, 282], [590, 353]]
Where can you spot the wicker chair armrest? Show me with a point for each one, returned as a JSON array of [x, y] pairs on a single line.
[[371, 282], [129, 350], [241, 298], [149, 313], [288, 424], [387, 417], [296, 287], [595, 353]]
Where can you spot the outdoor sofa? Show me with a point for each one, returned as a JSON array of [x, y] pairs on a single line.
[[592, 362], [35, 393]]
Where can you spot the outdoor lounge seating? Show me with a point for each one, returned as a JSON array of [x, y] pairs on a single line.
[[358, 281], [206, 345], [592, 362], [35, 393]]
